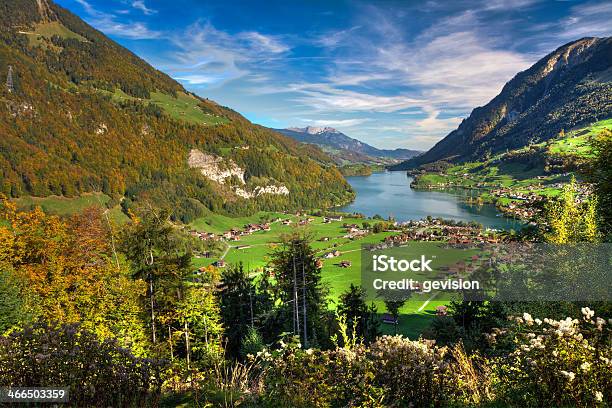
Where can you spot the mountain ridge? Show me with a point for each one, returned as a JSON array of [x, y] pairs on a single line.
[[84, 114], [333, 138], [569, 87]]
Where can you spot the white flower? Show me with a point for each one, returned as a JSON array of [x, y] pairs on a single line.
[[587, 312], [528, 319], [568, 374], [600, 323], [585, 366], [598, 396], [538, 322]]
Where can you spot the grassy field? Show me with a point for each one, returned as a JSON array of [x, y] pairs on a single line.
[[48, 30], [254, 250], [65, 206], [495, 173], [184, 107], [577, 142]]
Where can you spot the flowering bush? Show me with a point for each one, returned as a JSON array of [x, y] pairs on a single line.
[[98, 373], [563, 362], [412, 373], [313, 378]]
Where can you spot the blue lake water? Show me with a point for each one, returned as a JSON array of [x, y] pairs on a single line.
[[389, 194]]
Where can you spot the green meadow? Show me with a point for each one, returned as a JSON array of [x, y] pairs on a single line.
[[185, 107], [254, 250], [48, 30], [65, 206], [495, 173]]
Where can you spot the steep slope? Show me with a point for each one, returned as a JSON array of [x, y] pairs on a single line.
[[570, 87], [81, 113], [330, 137]]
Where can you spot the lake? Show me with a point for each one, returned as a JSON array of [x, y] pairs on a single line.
[[389, 194]]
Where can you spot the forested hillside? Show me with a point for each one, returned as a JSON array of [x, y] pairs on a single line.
[[569, 88], [79, 113]]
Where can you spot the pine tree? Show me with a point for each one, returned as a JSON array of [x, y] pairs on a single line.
[[353, 306], [300, 288]]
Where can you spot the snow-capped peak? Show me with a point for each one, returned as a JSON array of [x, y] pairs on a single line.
[[315, 130]]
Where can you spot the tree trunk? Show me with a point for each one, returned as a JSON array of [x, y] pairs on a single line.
[[152, 307], [187, 348], [304, 304]]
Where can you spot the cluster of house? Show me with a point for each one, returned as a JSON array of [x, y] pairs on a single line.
[[331, 218], [234, 234], [302, 222], [353, 231], [453, 234], [204, 236]]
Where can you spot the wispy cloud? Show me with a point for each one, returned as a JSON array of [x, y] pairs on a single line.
[[140, 5], [208, 56], [327, 98], [336, 123], [588, 20], [108, 24]]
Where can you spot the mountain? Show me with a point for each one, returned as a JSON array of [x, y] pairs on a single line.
[[568, 88], [334, 139], [79, 113]]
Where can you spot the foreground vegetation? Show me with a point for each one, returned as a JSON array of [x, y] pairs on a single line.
[[126, 295]]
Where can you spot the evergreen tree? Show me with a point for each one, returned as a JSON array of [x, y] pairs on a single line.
[[353, 306], [601, 175], [300, 289], [161, 256]]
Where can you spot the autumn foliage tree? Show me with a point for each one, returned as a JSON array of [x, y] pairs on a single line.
[[70, 272]]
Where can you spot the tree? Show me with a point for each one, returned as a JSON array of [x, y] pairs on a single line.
[[354, 308], [199, 323], [161, 255], [394, 301], [299, 287], [66, 271], [237, 309], [569, 220], [601, 176]]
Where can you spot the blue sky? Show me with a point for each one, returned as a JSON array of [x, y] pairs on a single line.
[[390, 73]]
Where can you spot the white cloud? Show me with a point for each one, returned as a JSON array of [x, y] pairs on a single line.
[[140, 5], [587, 20], [208, 56], [263, 43], [327, 98], [336, 123], [108, 24]]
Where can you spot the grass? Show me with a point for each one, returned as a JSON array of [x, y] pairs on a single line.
[[65, 206], [257, 247], [184, 107], [48, 30], [578, 142], [496, 172]]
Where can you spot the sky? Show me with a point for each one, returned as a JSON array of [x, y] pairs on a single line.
[[389, 73]]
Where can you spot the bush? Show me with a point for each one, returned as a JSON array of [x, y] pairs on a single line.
[[98, 373], [563, 362], [413, 373], [313, 378]]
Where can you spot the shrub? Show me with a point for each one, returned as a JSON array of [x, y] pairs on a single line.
[[313, 378], [412, 373], [98, 373], [563, 362]]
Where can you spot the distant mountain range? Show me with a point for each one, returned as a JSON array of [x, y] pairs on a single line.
[[568, 88], [345, 146]]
